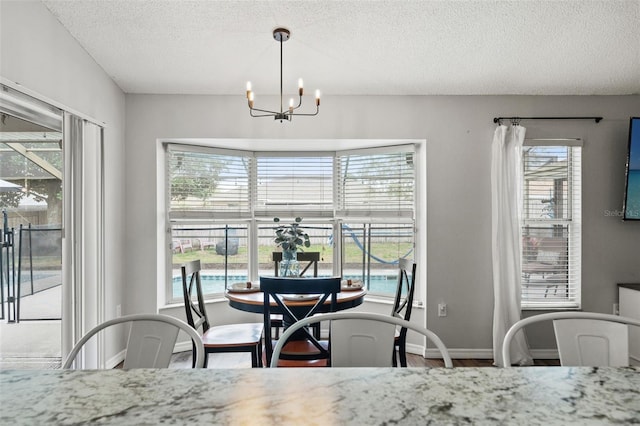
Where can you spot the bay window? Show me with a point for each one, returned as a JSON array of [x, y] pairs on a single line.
[[357, 206]]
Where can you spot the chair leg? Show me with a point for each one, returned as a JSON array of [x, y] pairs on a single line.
[[193, 355], [256, 357], [403, 355], [316, 330], [394, 358]]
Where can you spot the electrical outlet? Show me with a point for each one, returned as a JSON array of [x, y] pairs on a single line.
[[118, 311], [442, 309], [616, 309]]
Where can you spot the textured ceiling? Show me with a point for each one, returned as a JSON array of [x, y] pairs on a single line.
[[362, 47]]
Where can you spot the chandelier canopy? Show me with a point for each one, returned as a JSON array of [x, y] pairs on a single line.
[[281, 35]]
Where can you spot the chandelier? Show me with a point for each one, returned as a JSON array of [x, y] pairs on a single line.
[[281, 35]]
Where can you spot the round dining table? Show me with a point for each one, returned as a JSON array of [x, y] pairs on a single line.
[[253, 301]]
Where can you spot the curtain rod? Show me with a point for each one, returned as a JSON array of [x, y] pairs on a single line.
[[517, 119]]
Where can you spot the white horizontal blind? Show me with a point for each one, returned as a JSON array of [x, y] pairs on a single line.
[[294, 185], [376, 183], [208, 183], [551, 225]]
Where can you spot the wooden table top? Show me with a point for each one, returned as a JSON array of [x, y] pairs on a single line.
[[257, 298]]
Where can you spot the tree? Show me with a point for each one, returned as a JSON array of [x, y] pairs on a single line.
[[36, 182], [194, 174]]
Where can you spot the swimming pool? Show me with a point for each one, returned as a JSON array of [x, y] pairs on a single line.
[[379, 284]]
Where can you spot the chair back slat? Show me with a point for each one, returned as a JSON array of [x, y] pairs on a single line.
[[591, 342], [361, 343], [405, 290], [195, 310], [150, 345]]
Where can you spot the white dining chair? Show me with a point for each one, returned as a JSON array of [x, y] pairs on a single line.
[[583, 338], [361, 339], [151, 341]]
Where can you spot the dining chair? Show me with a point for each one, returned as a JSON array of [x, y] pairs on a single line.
[[402, 305], [150, 343], [303, 256], [583, 338], [244, 337], [296, 299], [361, 339]]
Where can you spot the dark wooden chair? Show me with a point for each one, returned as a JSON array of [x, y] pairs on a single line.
[[402, 305], [312, 257], [245, 337], [304, 348], [303, 256]]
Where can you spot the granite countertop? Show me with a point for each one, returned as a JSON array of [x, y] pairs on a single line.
[[358, 396]]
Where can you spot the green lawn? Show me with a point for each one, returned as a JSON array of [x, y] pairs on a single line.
[[353, 254]]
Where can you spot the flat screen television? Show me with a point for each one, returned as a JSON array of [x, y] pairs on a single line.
[[631, 206]]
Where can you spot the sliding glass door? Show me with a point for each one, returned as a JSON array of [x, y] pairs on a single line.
[[50, 229]]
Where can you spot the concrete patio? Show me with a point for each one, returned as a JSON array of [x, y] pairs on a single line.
[[33, 344]]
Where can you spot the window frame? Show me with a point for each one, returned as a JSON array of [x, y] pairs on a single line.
[[571, 226], [255, 221]]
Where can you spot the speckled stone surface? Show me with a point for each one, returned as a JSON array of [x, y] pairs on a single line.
[[357, 396]]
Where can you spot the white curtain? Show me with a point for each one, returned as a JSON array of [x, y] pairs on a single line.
[[506, 173], [83, 241]]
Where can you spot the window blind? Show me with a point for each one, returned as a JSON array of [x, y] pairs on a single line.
[[376, 183], [207, 183], [294, 185], [551, 224]]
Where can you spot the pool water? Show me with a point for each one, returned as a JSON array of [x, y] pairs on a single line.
[[380, 284]]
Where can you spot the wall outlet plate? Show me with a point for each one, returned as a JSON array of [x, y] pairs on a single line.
[[442, 309]]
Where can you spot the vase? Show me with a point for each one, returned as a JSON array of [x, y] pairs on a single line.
[[289, 266]]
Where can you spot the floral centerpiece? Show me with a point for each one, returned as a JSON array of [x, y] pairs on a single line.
[[291, 238]]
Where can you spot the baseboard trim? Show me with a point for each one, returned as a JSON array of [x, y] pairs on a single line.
[[183, 347], [115, 360], [461, 353]]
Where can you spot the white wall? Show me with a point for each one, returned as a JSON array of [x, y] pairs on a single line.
[[458, 130], [40, 55]]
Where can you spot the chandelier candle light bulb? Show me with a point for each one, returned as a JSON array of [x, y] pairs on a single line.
[[250, 96], [281, 35]]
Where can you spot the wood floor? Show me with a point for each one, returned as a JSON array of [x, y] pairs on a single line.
[[183, 360]]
